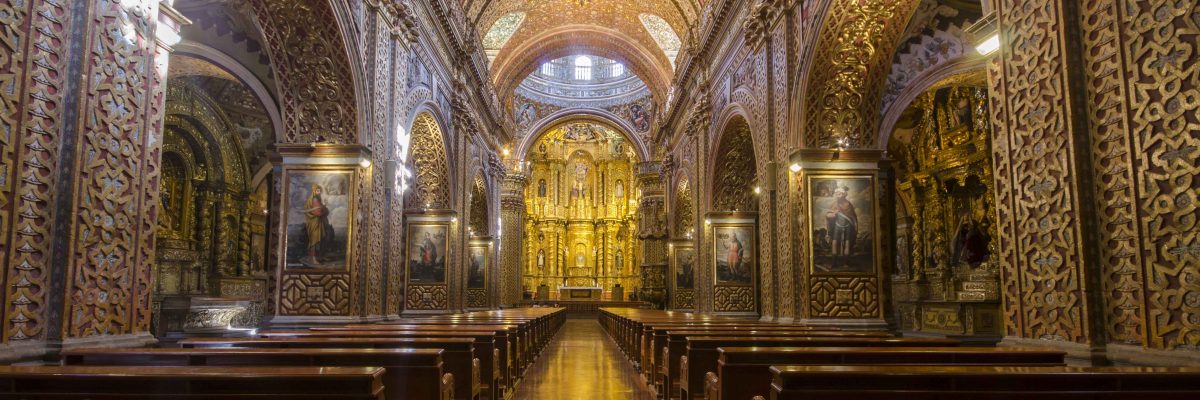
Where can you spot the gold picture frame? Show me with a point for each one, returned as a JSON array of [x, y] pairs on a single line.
[[319, 204], [427, 248], [477, 266], [735, 253], [843, 223]]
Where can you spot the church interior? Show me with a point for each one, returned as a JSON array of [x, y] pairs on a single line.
[[600, 199]]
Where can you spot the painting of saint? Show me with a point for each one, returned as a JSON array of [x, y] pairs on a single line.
[[639, 118], [318, 219], [734, 256], [842, 215], [477, 270], [685, 273], [427, 253]]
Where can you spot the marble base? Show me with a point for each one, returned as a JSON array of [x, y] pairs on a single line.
[[22, 350]]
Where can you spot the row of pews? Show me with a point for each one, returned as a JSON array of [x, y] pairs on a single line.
[[692, 356], [467, 356]]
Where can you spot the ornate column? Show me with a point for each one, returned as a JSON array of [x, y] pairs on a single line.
[[512, 224], [652, 229]]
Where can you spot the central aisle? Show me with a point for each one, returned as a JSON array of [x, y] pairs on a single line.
[[581, 363]]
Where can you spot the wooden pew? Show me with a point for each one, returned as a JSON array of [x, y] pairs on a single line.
[[225, 383], [983, 382], [485, 342], [410, 373], [744, 372], [458, 358], [701, 355], [672, 342]]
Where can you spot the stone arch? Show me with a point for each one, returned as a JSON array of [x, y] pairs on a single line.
[[733, 168], [923, 82], [574, 114], [189, 107], [314, 67], [188, 48]]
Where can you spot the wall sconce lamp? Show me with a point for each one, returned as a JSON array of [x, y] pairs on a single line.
[[985, 35], [365, 163]]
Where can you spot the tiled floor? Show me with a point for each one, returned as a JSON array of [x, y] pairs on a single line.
[[581, 363]]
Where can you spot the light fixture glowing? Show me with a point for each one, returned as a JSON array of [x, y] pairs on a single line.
[[989, 45], [365, 163], [453, 219], [757, 190], [708, 222], [795, 167], [504, 151]]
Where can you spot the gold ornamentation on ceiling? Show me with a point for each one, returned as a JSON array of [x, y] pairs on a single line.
[[843, 102], [309, 58]]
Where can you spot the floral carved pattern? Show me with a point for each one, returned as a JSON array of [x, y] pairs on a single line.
[[427, 163], [309, 59], [733, 178], [116, 182], [32, 72]]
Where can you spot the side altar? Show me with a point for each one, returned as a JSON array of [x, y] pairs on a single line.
[[579, 292]]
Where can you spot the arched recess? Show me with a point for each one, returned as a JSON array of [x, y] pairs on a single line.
[[733, 168], [650, 65], [314, 69], [478, 220], [428, 165], [604, 117], [850, 62], [921, 84], [683, 207]]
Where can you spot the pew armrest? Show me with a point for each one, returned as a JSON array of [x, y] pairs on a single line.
[[712, 387], [447, 388], [475, 384]]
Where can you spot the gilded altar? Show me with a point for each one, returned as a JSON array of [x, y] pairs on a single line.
[[946, 281], [581, 206]]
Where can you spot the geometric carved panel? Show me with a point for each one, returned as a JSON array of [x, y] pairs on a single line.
[[315, 294], [685, 299], [733, 299], [477, 298], [845, 297], [426, 297]]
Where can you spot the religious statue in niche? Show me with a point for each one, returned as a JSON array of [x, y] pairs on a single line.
[[618, 262], [318, 215], [427, 253], [638, 118], [580, 189], [842, 215], [734, 255], [541, 188], [541, 259], [580, 258], [620, 190]]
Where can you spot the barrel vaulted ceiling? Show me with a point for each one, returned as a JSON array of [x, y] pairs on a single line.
[[519, 35]]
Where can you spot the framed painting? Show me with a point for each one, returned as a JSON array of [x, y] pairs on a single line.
[[426, 245], [477, 261], [319, 204], [683, 265], [734, 254], [842, 221]]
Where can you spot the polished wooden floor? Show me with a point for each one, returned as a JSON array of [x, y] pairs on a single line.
[[582, 363]]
